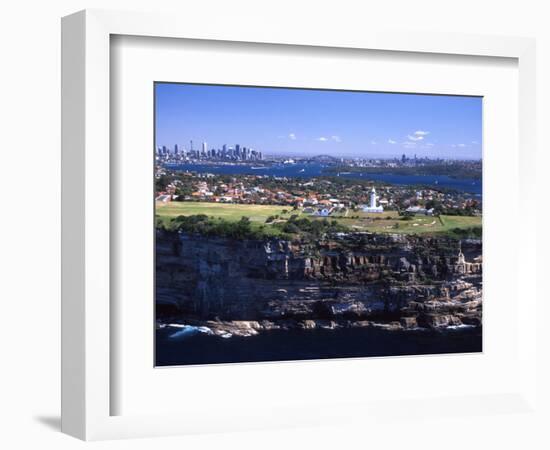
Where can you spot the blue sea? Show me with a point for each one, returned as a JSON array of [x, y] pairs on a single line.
[[308, 170], [187, 346]]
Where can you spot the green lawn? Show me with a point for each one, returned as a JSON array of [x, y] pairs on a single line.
[[386, 222], [228, 211], [391, 222], [450, 222]]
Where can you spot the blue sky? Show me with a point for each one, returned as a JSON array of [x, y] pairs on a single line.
[[312, 122]]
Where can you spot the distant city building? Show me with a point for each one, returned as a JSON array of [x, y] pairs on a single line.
[[179, 154], [372, 208]]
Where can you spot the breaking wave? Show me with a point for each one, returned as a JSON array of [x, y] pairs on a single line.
[[187, 330]]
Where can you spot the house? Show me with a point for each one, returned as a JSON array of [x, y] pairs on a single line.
[[164, 198], [311, 201], [420, 210]]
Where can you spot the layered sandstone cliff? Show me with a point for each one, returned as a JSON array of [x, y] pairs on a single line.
[[346, 280]]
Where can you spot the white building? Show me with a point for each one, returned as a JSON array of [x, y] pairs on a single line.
[[325, 212], [372, 208], [163, 198], [420, 210]]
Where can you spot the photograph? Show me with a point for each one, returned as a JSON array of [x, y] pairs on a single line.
[[300, 224], [263, 224]]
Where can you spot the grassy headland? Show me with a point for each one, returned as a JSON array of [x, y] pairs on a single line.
[[273, 220]]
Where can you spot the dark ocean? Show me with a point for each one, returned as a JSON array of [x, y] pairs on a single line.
[[175, 348], [316, 169]]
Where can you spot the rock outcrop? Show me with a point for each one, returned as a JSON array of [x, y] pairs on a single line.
[[392, 280]]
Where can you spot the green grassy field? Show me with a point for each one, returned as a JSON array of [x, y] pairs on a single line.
[[227, 211], [391, 222], [386, 222]]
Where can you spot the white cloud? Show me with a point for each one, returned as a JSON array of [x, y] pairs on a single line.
[[415, 138], [475, 142], [408, 144], [391, 141], [373, 142], [429, 144], [290, 136], [333, 138], [461, 145], [418, 135]]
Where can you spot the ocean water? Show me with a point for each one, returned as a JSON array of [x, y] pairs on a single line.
[[315, 169], [174, 347]]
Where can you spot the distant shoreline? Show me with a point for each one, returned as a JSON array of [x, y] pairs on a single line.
[[312, 170]]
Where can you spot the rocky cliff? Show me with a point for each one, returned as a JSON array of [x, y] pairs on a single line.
[[352, 279]]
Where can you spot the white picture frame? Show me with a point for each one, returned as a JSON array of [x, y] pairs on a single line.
[[87, 386]]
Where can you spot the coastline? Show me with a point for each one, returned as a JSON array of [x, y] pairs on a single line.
[[248, 328], [471, 186]]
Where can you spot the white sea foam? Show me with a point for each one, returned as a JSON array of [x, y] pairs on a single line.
[[459, 327], [187, 330]]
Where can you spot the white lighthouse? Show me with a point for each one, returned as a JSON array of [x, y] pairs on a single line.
[[372, 208]]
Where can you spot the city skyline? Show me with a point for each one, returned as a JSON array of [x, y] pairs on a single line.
[[309, 122], [236, 153]]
